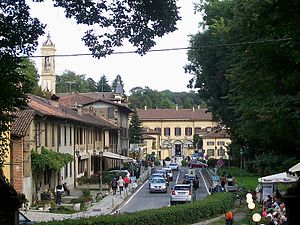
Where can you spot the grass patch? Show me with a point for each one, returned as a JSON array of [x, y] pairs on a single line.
[[242, 177]]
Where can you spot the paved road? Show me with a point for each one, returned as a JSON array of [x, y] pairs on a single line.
[[143, 199]]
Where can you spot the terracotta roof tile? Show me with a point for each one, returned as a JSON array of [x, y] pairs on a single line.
[[54, 109], [217, 134], [173, 114], [84, 99], [21, 122]]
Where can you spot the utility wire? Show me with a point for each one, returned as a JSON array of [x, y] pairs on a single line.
[[174, 49]]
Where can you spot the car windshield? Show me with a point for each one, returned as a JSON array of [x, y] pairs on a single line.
[[158, 181], [185, 188], [173, 164]]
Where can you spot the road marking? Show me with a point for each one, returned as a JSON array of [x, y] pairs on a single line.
[[204, 183], [135, 192], [178, 176]]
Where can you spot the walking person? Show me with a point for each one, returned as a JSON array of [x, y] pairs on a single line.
[[126, 183], [121, 184], [59, 190], [229, 218], [114, 185]]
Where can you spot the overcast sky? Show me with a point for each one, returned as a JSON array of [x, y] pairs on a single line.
[[157, 70]]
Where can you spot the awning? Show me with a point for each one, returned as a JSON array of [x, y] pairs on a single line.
[[277, 178], [294, 171], [117, 156]]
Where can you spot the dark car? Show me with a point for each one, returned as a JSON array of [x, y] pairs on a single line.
[[197, 164], [194, 182], [217, 188], [23, 220]]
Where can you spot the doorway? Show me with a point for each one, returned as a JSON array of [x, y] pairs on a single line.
[[178, 149]]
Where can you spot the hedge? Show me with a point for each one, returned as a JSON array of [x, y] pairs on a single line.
[[200, 210]]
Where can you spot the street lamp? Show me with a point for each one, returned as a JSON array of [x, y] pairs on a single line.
[[100, 174], [241, 166], [256, 217], [251, 204]]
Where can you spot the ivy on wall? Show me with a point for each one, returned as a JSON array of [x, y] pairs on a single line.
[[49, 159]]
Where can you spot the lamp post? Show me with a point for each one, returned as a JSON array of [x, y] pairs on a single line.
[[241, 166], [100, 174], [250, 203]]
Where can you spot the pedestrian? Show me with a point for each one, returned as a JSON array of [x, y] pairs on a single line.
[[126, 183], [114, 185], [229, 217], [223, 180], [121, 184], [59, 190], [164, 163]]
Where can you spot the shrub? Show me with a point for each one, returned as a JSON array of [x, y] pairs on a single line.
[[156, 162], [213, 205], [184, 162], [167, 158]]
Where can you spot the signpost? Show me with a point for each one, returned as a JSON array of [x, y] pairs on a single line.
[[191, 174]]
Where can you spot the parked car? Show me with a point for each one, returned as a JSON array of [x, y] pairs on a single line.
[[197, 164], [174, 166], [23, 220], [158, 184], [125, 172], [169, 173], [182, 193]]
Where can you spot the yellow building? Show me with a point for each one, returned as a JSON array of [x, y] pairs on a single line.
[[176, 128], [215, 144]]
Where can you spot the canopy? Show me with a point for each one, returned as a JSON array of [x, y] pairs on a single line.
[[294, 171], [117, 156], [295, 168], [277, 178]]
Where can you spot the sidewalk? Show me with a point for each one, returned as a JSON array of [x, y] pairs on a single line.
[[107, 205]]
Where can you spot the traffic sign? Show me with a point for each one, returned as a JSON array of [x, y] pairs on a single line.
[[220, 163], [191, 174]]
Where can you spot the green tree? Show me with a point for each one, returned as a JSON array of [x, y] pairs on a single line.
[[19, 35], [102, 85], [28, 68], [249, 76], [135, 129]]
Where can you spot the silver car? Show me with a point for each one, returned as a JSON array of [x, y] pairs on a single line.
[[181, 193], [158, 185], [174, 166], [169, 173]]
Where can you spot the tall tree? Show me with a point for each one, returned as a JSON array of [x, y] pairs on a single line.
[[28, 68], [249, 74], [102, 85], [135, 129], [19, 35]]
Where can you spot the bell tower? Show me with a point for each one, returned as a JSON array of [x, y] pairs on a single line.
[[48, 66]]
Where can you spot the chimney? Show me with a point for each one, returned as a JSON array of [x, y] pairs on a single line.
[[193, 109], [198, 106], [145, 107], [79, 109], [176, 106]]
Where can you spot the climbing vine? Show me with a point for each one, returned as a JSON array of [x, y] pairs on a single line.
[[49, 160]]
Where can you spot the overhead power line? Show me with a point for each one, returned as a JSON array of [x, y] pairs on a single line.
[[174, 49]]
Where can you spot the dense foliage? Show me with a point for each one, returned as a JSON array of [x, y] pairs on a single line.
[[141, 97], [249, 74], [137, 22], [212, 206], [19, 34], [48, 159]]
